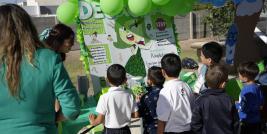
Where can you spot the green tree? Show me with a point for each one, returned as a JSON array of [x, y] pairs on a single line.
[[220, 19]]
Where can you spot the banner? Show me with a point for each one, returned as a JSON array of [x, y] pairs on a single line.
[[136, 43]]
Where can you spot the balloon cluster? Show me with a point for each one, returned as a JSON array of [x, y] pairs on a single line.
[[68, 11], [143, 7]]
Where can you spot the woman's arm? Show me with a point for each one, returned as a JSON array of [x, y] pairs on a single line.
[[65, 91]]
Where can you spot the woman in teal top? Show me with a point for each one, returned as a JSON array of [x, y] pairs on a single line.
[[31, 78]]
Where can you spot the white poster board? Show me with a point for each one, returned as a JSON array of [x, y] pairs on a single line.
[[135, 43]]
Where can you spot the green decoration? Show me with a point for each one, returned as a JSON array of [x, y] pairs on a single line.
[[154, 7], [84, 50], [138, 90], [67, 12], [73, 1], [261, 66], [188, 6], [233, 88], [125, 2], [111, 7], [135, 65], [188, 77], [139, 7], [177, 7], [160, 2], [170, 8]]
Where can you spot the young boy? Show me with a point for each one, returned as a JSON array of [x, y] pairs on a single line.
[[262, 80], [173, 106], [214, 111], [251, 99], [211, 54], [116, 107], [148, 102]]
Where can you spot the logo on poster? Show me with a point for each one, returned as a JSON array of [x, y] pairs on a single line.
[[161, 24]]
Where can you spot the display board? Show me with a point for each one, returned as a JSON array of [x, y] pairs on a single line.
[[137, 43]]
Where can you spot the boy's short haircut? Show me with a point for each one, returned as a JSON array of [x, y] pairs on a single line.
[[213, 50], [249, 70], [116, 74], [171, 64], [216, 75], [155, 75]]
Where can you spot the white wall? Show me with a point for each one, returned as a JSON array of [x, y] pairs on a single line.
[[32, 3], [32, 10], [49, 2]]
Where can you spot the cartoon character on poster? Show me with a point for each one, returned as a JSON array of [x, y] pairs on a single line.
[[131, 34]]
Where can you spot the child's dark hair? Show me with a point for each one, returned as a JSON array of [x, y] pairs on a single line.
[[249, 70], [213, 50], [155, 75], [116, 74], [58, 34], [171, 64], [216, 75]]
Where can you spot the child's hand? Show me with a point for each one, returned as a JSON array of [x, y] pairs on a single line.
[[94, 121], [92, 118], [57, 106], [138, 98]]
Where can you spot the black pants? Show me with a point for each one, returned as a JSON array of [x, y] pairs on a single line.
[[248, 128], [185, 132], [124, 130]]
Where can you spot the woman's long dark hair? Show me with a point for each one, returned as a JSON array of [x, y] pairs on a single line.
[[58, 34], [18, 38]]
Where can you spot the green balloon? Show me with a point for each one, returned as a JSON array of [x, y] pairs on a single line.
[[139, 7], [160, 2], [176, 7], [154, 7], [125, 2], [188, 7], [67, 12], [111, 7], [73, 1]]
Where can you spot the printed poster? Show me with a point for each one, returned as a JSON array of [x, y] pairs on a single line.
[[136, 43]]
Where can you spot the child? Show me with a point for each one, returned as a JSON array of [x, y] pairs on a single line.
[[251, 99], [148, 102], [211, 54], [214, 111], [117, 105], [173, 106], [60, 38], [262, 80]]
